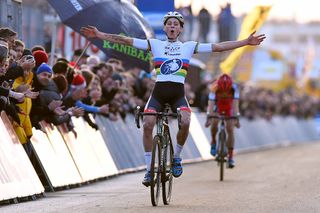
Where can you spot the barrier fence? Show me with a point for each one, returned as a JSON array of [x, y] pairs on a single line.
[[17, 176], [64, 159]]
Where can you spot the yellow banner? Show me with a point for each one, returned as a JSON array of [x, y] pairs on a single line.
[[253, 21]]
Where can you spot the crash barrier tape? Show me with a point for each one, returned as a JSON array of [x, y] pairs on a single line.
[[18, 178]]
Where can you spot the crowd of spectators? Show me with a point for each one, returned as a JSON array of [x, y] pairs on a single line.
[[258, 102], [264, 103], [32, 91]]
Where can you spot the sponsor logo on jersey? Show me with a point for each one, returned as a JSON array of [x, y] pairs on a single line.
[[170, 66], [172, 50]]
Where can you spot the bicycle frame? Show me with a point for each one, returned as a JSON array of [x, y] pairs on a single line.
[[222, 140], [161, 141]]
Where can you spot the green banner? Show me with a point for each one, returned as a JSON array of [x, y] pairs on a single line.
[[129, 50]]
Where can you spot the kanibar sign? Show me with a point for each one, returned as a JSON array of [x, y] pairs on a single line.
[[129, 50]]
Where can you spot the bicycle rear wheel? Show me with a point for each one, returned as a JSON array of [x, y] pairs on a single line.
[[155, 170], [221, 153], [166, 175]]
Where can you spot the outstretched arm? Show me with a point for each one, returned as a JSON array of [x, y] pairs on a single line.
[[93, 32], [252, 40]]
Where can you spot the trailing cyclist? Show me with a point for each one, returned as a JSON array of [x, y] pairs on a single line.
[[171, 60], [223, 100]]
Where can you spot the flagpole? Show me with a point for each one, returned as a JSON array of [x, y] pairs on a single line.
[[84, 50]]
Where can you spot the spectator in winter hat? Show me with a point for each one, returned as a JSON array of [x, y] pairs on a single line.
[[44, 74], [78, 82], [77, 93], [40, 57], [40, 106], [26, 52]]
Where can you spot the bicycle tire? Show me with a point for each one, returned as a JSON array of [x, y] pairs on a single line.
[[222, 141], [155, 170], [166, 175]]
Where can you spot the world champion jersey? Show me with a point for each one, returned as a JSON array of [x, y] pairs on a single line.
[[171, 59]]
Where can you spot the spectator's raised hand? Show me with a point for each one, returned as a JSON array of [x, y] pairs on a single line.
[[30, 94], [17, 95], [104, 109], [27, 62], [54, 104], [77, 111], [59, 110], [23, 88]]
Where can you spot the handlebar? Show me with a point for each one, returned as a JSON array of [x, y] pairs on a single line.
[[138, 114], [223, 117]]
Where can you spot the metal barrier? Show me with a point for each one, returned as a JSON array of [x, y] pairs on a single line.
[[124, 141], [68, 159], [55, 157], [17, 175], [261, 133]]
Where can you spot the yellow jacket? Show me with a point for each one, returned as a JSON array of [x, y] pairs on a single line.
[[24, 129]]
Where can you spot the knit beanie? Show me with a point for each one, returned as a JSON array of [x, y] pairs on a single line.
[[78, 82], [44, 68], [26, 52], [40, 57]]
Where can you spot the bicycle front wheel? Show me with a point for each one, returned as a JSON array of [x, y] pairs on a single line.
[[221, 153], [166, 175], [155, 170]]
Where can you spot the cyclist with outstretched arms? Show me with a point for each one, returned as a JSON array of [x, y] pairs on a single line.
[[171, 59]]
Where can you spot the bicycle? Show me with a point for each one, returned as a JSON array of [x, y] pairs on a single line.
[[162, 154], [222, 141]]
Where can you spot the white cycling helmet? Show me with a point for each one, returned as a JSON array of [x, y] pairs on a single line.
[[173, 15]]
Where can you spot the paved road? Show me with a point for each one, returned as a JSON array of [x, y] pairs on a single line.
[[279, 180]]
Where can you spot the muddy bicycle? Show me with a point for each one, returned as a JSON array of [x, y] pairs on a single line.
[[222, 149], [162, 154]]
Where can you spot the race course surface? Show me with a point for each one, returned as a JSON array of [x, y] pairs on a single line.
[[285, 179]]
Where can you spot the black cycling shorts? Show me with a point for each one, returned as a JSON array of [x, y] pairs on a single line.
[[167, 92]]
